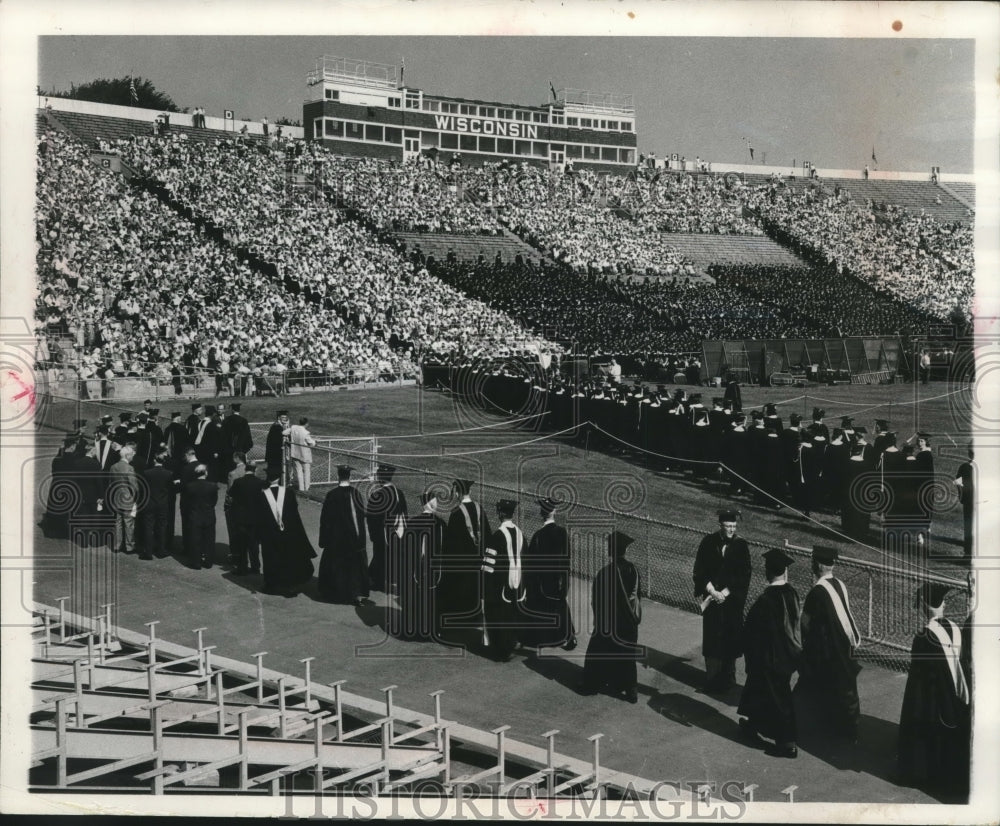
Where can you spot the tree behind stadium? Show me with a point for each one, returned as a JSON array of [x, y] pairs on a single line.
[[118, 91]]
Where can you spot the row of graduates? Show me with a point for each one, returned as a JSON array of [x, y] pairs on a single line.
[[457, 581], [804, 464], [215, 433], [819, 640]]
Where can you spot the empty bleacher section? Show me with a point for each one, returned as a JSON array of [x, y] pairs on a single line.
[[467, 247], [113, 710], [704, 250]]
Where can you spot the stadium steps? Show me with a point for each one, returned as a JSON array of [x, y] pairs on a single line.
[[89, 128], [963, 193], [468, 247], [121, 711], [704, 250]]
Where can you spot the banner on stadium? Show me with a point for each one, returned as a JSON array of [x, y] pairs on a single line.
[[482, 126]]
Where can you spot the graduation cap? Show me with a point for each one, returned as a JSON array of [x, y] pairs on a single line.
[[679, 393], [818, 413], [825, 554], [385, 472], [618, 542], [756, 414], [932, 593], [770, 409], [695, 398], [506, 507], [837, 433], [739, 419], [882, 424], [771, 423], [344, 472], [890, 437], [861, 430], [729, 515], [907, 450], [108, 418], [795, 420], [282, 413], [176, 414], [274, 477], [548, 505], [661, 388], [209, 410], [195, 407], [717, 401], [923, 434], [237, 407], [463, 486], [124, 417], [142, 415], [776, 560], [103, 430], [70, 441], [846, 422]]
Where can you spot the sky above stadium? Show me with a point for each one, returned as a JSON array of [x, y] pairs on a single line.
[[829, 101]]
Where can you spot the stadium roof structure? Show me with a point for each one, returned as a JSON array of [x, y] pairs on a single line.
[[358, 72]]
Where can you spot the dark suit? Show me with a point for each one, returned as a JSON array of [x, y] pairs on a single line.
[[156, 510], [202, 497], [243, 499]]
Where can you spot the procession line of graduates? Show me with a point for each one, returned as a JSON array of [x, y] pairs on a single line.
[[456, 582], [819, 640], [800, 463]]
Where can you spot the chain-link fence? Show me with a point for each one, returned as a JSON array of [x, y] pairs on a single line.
[[202, 383]]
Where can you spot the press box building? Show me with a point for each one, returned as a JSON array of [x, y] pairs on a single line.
[[361, 108]]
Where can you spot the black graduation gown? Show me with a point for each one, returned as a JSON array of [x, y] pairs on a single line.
[[502, 610], [855, 517], [61, 499], [274, 447], [736, 457], [287, 555], [386, 505], [546, 572], [829, 667], [933, 723], [461, 558], [417, 580], [613, 650], [343, 568], [771, 645], [722, 623], [834, 468]]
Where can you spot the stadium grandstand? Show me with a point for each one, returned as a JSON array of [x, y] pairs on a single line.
[[508, 291]]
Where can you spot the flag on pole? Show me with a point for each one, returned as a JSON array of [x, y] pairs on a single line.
[[132, 90], [402, 71], [553, 90], [874, 159]]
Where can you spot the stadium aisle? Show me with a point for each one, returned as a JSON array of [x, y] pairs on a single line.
[[674, 733]]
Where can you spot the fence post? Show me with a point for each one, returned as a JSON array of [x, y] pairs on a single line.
[[871, 603]]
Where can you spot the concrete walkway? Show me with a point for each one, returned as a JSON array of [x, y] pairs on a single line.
[[674, 733]]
